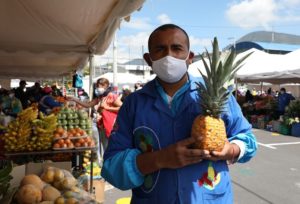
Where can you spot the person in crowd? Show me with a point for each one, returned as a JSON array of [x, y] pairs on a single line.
[[56, 91], [254, 92], [35, 93], [248, 96], [269, 92], [151, 149], [107, 104], [48, 102], [125, 92], [21, 94], [284, 99], [10, 104], [82, 94], [138, 85]]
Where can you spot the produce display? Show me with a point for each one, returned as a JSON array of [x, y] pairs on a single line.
[[63, 129], [34, 131], [69, 118], [209, 125], [87, 165], [73, 138], [30, 133], [54, 186]]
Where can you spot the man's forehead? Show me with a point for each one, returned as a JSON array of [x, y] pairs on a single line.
[[177, 38]]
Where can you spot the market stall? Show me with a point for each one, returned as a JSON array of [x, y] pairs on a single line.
[[261, 67], [49, 40]]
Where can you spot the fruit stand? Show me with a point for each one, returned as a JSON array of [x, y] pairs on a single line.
[[14, 155], [33, 136]]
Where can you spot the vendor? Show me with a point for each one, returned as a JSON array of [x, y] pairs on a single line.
[[47, 102], [284, 99], [10, 104]]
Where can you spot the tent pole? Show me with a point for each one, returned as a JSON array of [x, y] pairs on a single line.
[[261, 87], [92, 69], [63, 86], [115, 63]]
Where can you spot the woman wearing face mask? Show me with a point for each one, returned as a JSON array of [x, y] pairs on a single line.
[[106, 104]]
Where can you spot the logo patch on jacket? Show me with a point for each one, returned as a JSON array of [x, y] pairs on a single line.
[[210, 179], [146, 140]]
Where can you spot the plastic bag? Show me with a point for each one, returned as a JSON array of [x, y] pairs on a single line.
[[77, 81]]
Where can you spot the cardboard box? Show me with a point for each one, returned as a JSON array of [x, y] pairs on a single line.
[[99, 185], [17, 173]]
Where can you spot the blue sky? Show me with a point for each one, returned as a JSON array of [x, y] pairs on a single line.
[[203, 20]]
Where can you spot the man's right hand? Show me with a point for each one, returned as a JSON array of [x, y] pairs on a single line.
[[173, 156], [181, 154]]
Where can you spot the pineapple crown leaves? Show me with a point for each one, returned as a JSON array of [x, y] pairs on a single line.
[[219, 69]]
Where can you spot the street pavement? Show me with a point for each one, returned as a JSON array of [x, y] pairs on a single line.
[[271, 177]]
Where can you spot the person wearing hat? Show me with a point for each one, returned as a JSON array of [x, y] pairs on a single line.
[[21, 94], [47, 102]]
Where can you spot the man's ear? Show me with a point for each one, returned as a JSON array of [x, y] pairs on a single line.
[[147, 59], [191, 57]]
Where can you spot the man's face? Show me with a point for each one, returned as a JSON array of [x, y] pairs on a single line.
[[171, 42]]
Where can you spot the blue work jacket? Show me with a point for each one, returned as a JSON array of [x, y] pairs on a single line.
[[146, 123]]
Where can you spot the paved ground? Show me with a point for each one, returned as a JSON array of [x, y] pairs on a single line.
[[273, 176]]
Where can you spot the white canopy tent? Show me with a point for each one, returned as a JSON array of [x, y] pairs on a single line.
[[263, 67], [51, 38]]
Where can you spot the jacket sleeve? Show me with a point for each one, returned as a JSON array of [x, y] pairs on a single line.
[[239, 130], [51, 102], [119, 167]]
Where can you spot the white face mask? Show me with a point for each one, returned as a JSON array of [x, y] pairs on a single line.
[[170, 69], [11, 95], [101, 90]]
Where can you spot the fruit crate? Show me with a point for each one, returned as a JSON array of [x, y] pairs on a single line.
[[284, 129], [295, 131], [261, 124]]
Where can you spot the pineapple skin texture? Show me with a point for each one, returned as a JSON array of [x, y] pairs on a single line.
[[213, 133]]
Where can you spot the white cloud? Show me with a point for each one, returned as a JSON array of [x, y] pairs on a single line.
[[290, 3], [164, 18], [128, 47], [135, 42], [199, 44], [263, 13], [137, 23], [253, 13]]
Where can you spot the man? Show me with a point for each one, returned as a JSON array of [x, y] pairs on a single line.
[[284, 99], [35, 93], [150, 149], [21, 94]]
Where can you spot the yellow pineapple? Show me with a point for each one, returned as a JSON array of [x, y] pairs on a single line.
[[209, 126]]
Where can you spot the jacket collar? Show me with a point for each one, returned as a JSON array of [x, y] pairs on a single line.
[[150, 86]]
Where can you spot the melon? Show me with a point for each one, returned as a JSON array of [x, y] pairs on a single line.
[[34, 180], [48, 175], [58, 175], [29, 194], [50, 193]]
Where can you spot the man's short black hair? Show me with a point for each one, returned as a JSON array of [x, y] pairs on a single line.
[[166, 27], [22, 82]]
